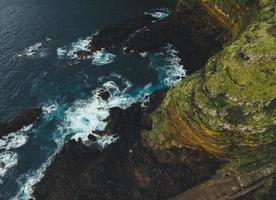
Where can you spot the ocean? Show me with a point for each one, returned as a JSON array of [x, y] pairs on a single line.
[[38, 69]]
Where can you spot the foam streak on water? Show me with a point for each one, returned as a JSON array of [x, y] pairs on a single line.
[[98, 58], [28, 180], [168, 65], [15, 140], [37, 50], [159, 13], [80, 120], [8, 160], [69, 51], [85, 116], [102, 57]]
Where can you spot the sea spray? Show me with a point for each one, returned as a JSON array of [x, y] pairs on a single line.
[[85, 116]]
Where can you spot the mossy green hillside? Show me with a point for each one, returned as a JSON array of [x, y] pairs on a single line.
[[229, 108]]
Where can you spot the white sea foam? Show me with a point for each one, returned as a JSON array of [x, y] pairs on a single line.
[[144, 54], [159, 13], [49, 109], [87, 116], [169, 66], [104, 141], [61, 52], [69, 51], [98, 58], [13, 141], [84, 117], [16, 139], [102, 57], [8, 160], [28, 180], [144, 95], [34, 51]]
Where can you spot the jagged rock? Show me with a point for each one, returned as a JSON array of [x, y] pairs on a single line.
[[105, 95], [124, 170], [196, 37], [92, 138]]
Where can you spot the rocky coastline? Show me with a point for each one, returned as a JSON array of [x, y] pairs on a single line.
[[212, 136], [23, 119], [127, 169]]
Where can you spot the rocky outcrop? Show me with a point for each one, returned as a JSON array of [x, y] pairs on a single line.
[[194, 34], [23, 119], [126, 169], [227, 109]]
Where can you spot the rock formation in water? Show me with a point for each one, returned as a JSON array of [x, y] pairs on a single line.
[[23, 119], [213, 136], [126, 169]]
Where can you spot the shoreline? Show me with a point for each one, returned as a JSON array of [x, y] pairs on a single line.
[[142, 166]]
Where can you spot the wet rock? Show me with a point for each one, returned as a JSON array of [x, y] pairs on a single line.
[[105, 95], [112, 37], [125, 123], [2, 165], [23, 119], [126, 169], [196, 37], [156, 99], [92, 138]]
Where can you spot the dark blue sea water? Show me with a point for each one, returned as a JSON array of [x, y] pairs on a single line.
[[37, 68]]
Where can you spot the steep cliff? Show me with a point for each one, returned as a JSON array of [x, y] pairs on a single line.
[[228, 109]]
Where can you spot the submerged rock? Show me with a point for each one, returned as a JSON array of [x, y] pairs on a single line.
[[23, 119]]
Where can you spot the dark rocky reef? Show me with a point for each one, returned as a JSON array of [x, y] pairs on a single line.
[[126, 169], [193, 33], [23, 119]]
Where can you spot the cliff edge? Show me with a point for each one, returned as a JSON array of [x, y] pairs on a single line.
[[228, 109]]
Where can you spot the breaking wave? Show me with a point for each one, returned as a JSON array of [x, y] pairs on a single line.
[[36, 50], [102, 57], [70, 51], [8, 160], [159, 13], [98, 58], [15, 140], [85, 117], [168, 65]]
